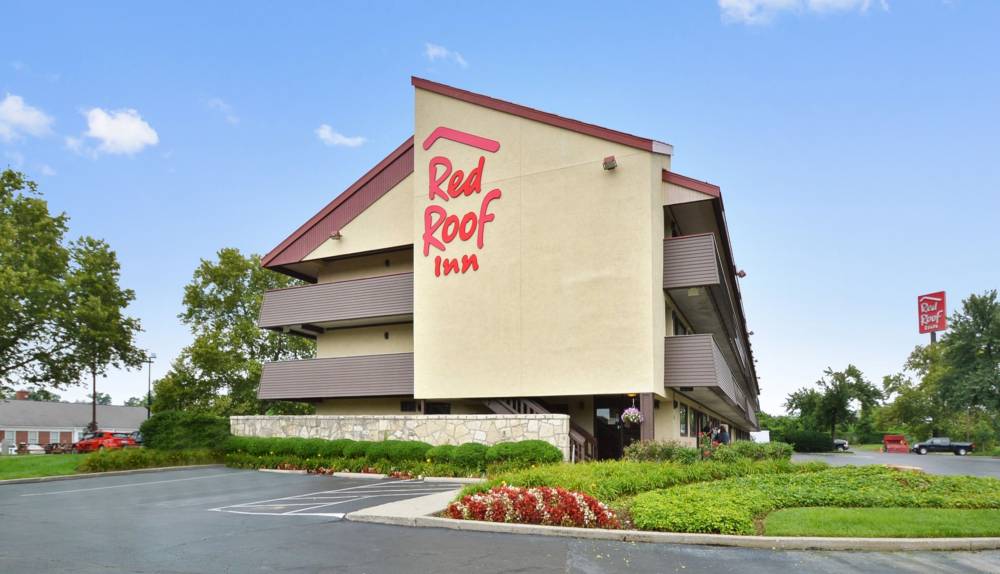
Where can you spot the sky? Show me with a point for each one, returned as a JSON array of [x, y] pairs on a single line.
[[854, 141]]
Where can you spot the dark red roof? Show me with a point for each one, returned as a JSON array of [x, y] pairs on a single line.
[[348, 205], [543, 117], [691, 183]]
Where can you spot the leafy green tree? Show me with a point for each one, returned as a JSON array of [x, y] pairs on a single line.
[[136, 401], [34, 299], [971, 381], [44, 395], [779, 425], [220, 370], [102, 399], [839, 399], [103, 333]]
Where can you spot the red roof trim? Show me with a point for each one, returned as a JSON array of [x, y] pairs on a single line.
[[691, 183], [301, 242], [623, 138]]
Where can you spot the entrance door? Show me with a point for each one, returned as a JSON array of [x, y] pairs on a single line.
[[612, 436]]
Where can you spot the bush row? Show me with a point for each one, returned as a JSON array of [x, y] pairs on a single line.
[[673, 451], [809, 441], [177, 430], [469, 457], [132, 458], [731, 506], [611, 480]]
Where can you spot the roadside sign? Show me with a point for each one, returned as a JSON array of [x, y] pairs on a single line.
[[931, 312]]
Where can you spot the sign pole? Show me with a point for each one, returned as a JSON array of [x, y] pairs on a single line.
[[933, 337]]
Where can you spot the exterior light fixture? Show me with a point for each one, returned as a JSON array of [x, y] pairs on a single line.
[[741, 274], [336, 235], [610, 163]]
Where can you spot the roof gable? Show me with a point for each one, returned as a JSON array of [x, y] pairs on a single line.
[[345, 207]]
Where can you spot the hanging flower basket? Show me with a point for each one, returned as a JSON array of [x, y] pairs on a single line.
[[631, 416]]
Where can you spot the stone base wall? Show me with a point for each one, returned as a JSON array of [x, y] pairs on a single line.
[[433, 429]]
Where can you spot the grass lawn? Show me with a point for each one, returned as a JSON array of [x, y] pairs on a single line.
[[33, 465], [883, 522]]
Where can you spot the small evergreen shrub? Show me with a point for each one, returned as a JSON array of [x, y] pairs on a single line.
[[524, 453], [662, 451], [470, 455], [441, 453], [406, 450], [357, 449]]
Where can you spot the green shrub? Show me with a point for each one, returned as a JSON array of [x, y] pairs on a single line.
[[357, 449], [524, 453], [441, 453], [377, 450], [132, 458], [809, 441], [611, 480], [650, 450], [175, 430], [407, 450], [731, 506], [470, 455], [744, 449]]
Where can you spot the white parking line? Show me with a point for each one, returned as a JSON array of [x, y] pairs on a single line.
[[125, 485]]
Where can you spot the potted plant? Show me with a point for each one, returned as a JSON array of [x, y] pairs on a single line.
[[631, 416]]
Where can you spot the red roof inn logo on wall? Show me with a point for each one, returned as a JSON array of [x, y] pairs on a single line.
[[445, 184], [931, 310]]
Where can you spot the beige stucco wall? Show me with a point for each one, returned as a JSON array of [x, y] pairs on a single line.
[[385, 224], [568, 295], [357, 341], [364, 266]]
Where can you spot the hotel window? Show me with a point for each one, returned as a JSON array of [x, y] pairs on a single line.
[[53, 437], [437, 408], [409, 406], [33, 437], [679, 328], [684, 419]]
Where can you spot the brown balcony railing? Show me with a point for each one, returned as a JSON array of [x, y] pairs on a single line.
[[360, 376]]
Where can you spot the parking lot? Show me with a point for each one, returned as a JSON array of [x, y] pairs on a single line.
[[933, 463], [226, 520]]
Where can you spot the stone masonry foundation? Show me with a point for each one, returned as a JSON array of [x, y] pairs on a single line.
[[433, 429]]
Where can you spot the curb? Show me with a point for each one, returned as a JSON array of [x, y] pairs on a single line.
[[456, 480], [758, 542], [359, 475], [109, 473], [279, 471]]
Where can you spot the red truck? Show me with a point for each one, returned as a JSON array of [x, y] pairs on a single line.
[[100, 440]]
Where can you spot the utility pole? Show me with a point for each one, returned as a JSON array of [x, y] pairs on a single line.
[[149, 382]]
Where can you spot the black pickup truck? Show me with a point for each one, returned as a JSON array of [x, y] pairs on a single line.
[[943, 444]]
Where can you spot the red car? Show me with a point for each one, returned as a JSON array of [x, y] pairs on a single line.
[[101, 440]]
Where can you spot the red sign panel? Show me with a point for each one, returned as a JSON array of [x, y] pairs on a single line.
[[931, 312], [441, 227]]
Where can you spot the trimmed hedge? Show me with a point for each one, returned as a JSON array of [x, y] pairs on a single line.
[[401, 455], [731, 506], [177, 430], [660, 451], [525, 452], [130, 458], [744, 449], [809, 441]]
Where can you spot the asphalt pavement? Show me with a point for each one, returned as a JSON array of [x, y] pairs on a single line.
[[932, 463], [223, 520]]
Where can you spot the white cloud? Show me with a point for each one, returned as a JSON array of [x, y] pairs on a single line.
[[227, 111], [331, 137], [434, 52], [46, 170], [117, 131], [763, 11], [18, 118]]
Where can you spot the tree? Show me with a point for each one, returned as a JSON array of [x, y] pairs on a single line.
[[835, 401], [220, 370], [104, 335], [34, 298], [40, 394], [971, 353], [102, 399], [136, 402]]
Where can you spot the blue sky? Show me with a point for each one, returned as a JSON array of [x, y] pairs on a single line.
[[855, 142]]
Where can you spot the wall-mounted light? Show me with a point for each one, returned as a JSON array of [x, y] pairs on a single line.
[[676, 404], [336, 235], [741, 274], [610, 163]]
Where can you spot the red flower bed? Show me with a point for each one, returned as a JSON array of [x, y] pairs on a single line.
[[542, 505]]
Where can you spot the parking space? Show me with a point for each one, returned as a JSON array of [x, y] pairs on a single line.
[[932, 463], [337, 502]]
